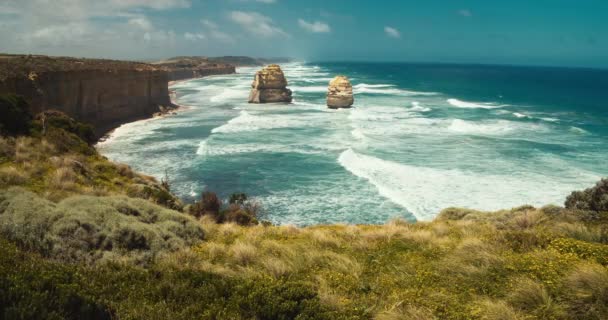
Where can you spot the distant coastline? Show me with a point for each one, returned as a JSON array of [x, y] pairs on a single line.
[[105, 93]]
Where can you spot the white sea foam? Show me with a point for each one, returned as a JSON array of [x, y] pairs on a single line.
[[416, 106], [356, 133], [472, 105], [578, 130], [205, 149], [368, 86], [550, 119], [309, 89], [229, 94], [425, 191], [496, 127], [250, 122]]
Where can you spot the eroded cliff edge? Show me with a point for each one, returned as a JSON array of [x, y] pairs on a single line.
[[104, 93], [182, 68]]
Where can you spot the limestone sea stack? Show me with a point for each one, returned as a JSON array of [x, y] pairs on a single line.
[[270, 85], [340, 93]]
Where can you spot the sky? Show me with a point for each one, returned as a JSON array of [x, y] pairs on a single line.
[[521, 32]]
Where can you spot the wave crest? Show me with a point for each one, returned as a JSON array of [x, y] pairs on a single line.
[[472, 105]]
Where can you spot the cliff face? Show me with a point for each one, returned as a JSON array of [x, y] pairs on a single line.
[[181, 68], [100, 92], [199, 72]]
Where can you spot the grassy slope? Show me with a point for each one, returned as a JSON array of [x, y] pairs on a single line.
[[525, 263]]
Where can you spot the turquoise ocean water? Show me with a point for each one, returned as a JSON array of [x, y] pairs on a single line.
[[420, 138]]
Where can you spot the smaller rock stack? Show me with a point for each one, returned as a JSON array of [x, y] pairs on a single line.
[[270, 85], [340, 93]]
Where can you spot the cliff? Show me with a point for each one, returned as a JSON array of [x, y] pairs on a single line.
[[241, 61], [181, 68], [104, 93]]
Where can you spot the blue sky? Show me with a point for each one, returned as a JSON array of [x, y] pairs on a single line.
[[539, 32]]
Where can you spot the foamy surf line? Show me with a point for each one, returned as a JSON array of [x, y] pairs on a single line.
[[473, 105], [425, 191]]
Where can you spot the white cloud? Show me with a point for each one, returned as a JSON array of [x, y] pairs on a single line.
[[152, 4], [62, 10], [316, 27], [260, 1], [465, 13], [214, 31], [142, 23], [257, 24], [194, 36], [59, 35], [392, 32], [209, 24], [159, 37]]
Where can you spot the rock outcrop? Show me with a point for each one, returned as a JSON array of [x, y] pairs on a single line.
[[270, 85], [182, 68], [340, 93], [103, 93]]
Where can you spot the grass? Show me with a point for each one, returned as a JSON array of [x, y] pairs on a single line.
[[55, 173], [510, 264], [524, 263], [82, 237]]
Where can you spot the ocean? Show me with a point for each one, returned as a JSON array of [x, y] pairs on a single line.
[[420, 138]]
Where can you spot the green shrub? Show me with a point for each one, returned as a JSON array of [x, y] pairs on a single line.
[[15, 117], [59, 120], [239, 210], [593, 199], [88, 229], [582, 249], [210, 204], [31, 288]]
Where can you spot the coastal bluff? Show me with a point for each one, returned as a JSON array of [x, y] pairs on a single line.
[[270, 85], [104, 93], [183, 68]]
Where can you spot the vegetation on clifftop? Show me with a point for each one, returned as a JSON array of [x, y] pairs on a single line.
[[84, 238]]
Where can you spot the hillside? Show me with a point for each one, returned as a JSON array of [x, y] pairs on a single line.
[[81, 237]]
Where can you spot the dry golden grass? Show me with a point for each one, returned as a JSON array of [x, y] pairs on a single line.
[[496, 310], [409, 312], [7, 147], [243, 253], [276, 267], [63, 178], [10, 175]]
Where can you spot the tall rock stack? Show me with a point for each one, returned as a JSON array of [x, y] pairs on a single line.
[[340, 93], [270, 85]]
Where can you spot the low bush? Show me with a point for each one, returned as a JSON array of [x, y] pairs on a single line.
[[239, 209], [89, 229], [582, 249], [593, 199], [50, 119]]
